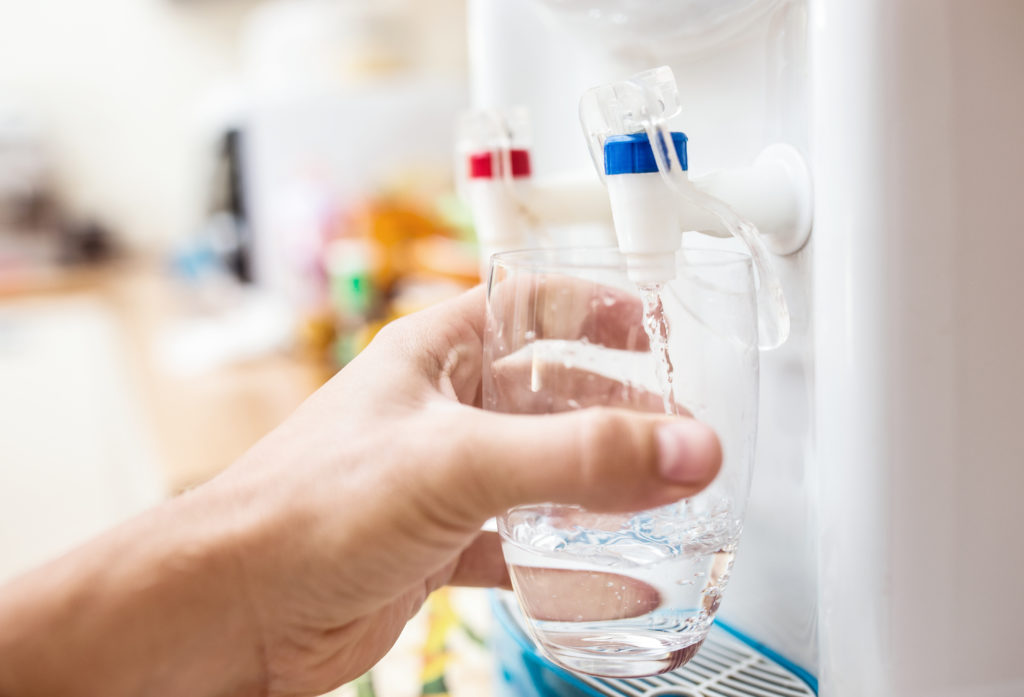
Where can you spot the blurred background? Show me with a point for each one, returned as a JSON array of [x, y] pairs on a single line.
[[206, 208]]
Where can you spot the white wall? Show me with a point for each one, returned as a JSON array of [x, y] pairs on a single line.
[[116, 83], [121, 86]]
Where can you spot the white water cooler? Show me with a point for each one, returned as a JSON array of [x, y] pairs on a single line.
[[881, 555]]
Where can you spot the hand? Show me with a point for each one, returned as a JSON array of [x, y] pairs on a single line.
[[320, 543]]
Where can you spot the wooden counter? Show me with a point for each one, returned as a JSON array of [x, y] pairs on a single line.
[[200, 423]]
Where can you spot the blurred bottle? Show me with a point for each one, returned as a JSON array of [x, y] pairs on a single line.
[[349, 263]]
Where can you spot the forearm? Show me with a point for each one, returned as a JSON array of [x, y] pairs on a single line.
[[154, 607]]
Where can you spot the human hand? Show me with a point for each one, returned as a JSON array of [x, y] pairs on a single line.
[[374, 493], [297, 568]]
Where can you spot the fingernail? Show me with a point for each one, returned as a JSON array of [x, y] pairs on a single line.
[[685, 452]]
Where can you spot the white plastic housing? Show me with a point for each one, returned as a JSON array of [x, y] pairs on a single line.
[[882, 549], [774, 193], [555, 201], [530, 213]]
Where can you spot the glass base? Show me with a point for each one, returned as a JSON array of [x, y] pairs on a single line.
[[622, 661]]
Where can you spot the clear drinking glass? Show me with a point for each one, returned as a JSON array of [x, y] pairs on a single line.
[[623, 595]]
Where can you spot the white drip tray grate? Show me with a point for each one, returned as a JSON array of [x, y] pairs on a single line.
[[724, 667]]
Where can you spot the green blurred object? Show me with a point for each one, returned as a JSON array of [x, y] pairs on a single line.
[[455, 213], [350, 274], [352, 294], [364, 686]]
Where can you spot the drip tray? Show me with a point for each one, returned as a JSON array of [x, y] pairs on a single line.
[[725, 666]]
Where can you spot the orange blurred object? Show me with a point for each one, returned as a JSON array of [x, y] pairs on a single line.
[[407, 239]]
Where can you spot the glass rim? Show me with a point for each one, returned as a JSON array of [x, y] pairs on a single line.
[[537, 258]]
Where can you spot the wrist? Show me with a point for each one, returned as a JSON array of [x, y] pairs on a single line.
[[152, 607], [202, 575]]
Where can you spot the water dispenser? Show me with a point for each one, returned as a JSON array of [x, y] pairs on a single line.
[[876, 148]]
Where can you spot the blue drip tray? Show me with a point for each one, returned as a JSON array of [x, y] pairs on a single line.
[[724, 666]]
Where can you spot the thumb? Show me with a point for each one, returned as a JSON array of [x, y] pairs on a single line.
[[608, 460]]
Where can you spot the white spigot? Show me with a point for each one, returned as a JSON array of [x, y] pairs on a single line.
[[493, 176], [632, 147], [774, 193], [496, 200], [644, 210]]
